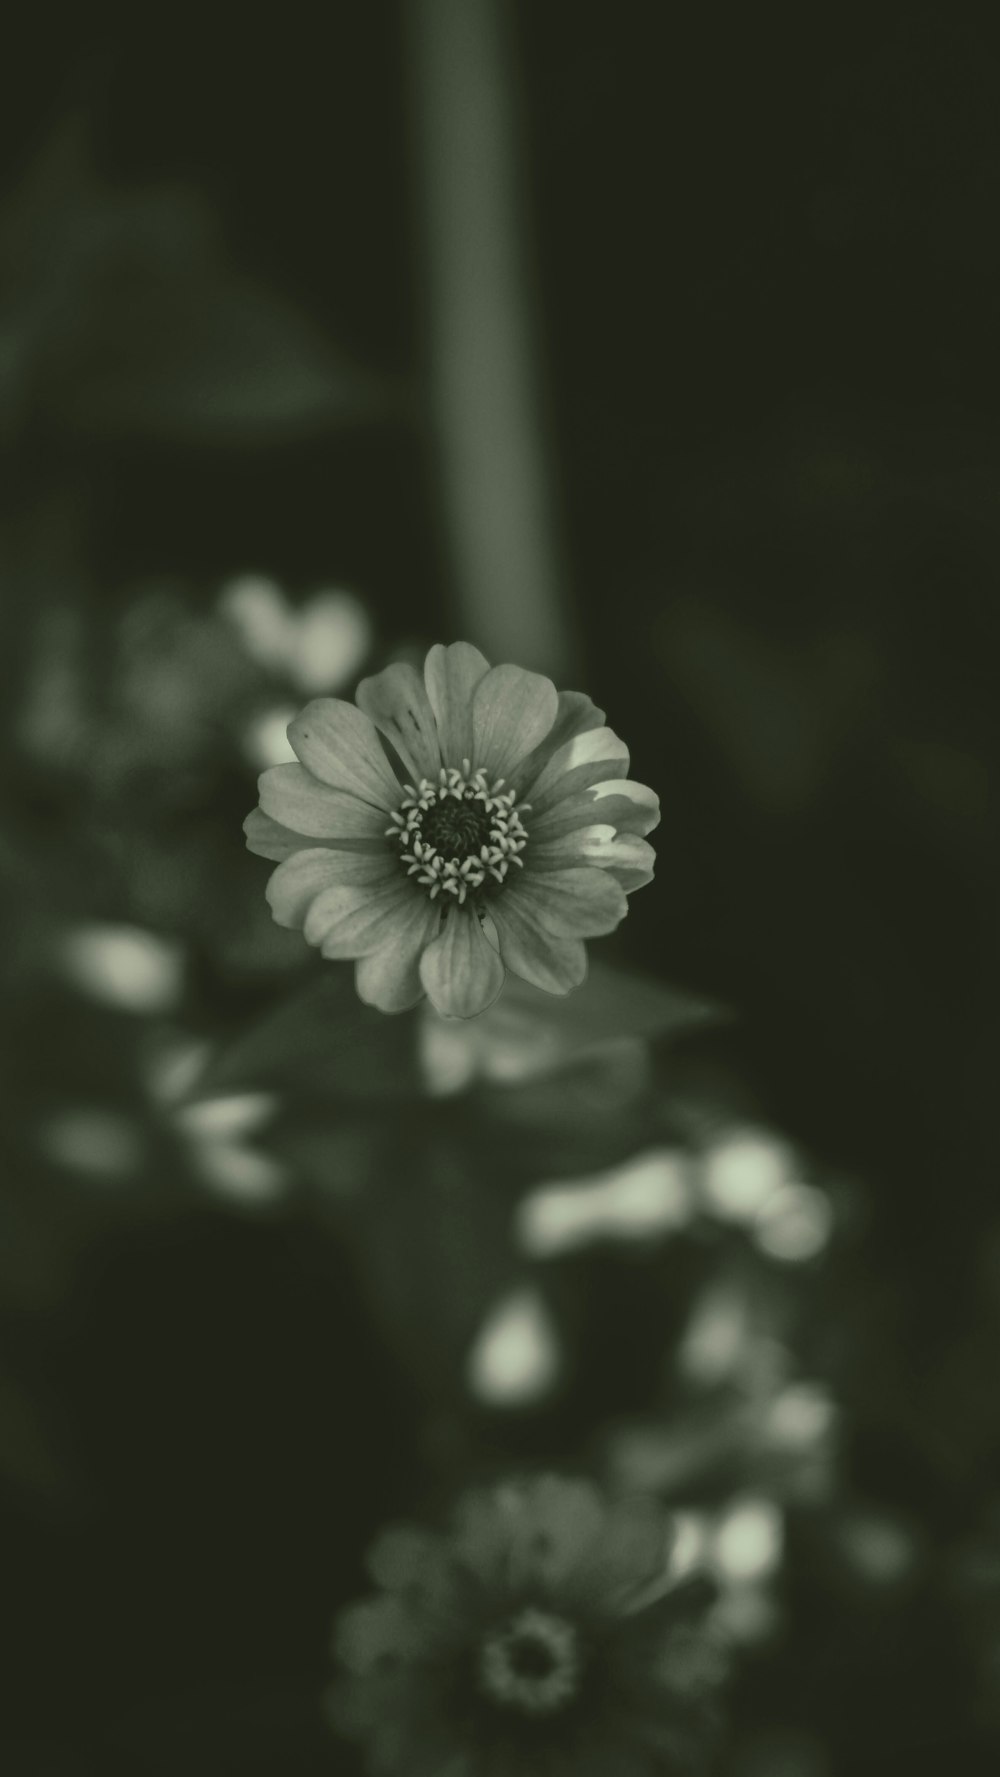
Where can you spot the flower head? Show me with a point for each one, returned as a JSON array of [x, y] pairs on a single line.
[[452, 826], [540, 1635]]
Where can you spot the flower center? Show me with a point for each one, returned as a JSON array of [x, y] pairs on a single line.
[[459, 835], [532, 1664]]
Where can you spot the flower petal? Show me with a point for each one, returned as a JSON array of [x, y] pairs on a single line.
[[634, 1551], [400, 1556], [575, 847], [628, 807], [398, 704], [555, 964], [576, 714], [642, 812], [461, 971], [267, 838], [293, 887], [481, 1535], [631, 862], [389, 977], [560, 1521], [628, 859], [589, 758], [341, 747], [576, 903], [291, 796], [367, 1631], [512, 711], [451, 675], [352, 919]]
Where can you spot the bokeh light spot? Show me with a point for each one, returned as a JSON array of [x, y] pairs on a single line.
[[646, 1197], [256, 608], [514, 1359], [795, 1223], [882, 1549], [227, 1119], [100, 1143], [692, 1540], [748, 1539], [742, 1170], [801, 1416], [319, 646], [330, 642], [124, 966], [174, 1066], [715, 1342], [242, 1174], [265, 739]]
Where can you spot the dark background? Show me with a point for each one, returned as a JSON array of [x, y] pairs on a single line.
[[766, 271]]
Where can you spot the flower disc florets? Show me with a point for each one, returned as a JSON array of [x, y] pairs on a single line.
[[460, 834], [451, 826], [542, 1632], [532, 1664]]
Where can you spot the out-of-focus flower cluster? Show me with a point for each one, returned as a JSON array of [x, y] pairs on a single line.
[[542, 1632]]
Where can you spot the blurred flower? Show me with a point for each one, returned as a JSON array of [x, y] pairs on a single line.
[[220, 1136], [123, 966], [645, 1198], [543, 1633], [319, 646], [515, 835], [742, 1168]]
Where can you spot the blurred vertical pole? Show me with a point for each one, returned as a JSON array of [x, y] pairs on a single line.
[[481, 355]]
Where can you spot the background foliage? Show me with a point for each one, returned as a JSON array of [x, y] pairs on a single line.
[[273, 1269]]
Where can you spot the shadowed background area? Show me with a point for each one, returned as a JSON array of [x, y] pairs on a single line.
[[683, 330]]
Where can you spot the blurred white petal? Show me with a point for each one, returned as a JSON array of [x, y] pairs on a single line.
[[226, 1119], [747, 1613], [124, 966], [242, 1174], [97, 1142], [692, 1539], [265, 739], [258, 611], [802, 1415], [748, 1539], [514, 1359], [717, 1336], [648, 1196], [882, 1549], [742, 1170], [174, 1068], [330, 641], [446, 1053], [795, 1223]]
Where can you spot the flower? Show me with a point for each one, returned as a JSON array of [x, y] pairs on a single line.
[[539, 1636], [508, 834]]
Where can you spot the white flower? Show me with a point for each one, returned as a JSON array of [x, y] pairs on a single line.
[[451, 827]]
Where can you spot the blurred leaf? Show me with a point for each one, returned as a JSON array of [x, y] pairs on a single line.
[[324, 1039], [205, 355], [31, 1460], [320, 1041], [433, 1242], [597, 1109], [123, 314], [612, 1003], [782, 715]]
